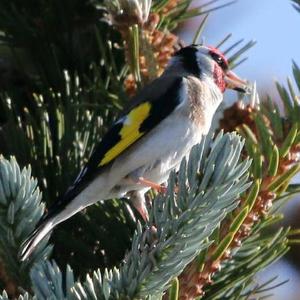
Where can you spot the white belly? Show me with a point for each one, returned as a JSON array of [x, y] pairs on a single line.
[[155, 156]]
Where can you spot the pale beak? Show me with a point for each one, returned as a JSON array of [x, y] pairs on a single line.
[[233, 82]]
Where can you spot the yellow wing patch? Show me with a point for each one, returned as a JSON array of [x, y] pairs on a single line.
[[129, 132]]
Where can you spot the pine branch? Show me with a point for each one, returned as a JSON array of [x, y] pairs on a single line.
[[47, 121], [4, 296], [256, 252], [177, 231], [50, 37], [20, 210], [275, 153]]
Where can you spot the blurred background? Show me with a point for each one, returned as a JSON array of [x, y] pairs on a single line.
[[274, 24]]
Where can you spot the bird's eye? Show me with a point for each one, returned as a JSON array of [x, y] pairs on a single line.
[[219, 60]]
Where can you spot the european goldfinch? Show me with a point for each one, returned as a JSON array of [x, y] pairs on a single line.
[[167, 118]]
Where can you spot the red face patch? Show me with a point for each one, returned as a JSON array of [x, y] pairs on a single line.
[[219, 78], [220, 67]]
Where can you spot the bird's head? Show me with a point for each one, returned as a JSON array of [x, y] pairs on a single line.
[[206, 62]]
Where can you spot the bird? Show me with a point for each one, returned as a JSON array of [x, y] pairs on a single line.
[[165, 120]]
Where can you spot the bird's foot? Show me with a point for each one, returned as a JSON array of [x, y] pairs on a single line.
[[137, 198], [143, 212], [160, 188]]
